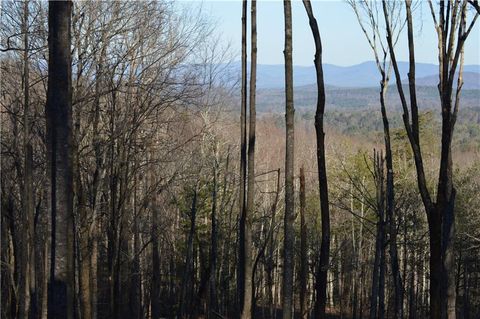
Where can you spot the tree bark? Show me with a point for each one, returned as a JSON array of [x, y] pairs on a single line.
[[59, 132], [289, 232]]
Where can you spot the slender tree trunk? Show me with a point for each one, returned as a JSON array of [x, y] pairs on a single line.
[[377, 302], [82, 242], [243, 167], [155, 284], [289, 232], [411, 302], [466, 288], [375, 277], [59, 131], [323, 265], [303, 249], [213, 302], [250, 208], [99, 176], [381, 280], [270, 260], [27, 280], [186, 301], [136, 311], [390, 208], [84, 277], [44, 307]]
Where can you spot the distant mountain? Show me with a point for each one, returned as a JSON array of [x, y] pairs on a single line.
[[471, 80], [272, 100], [360, 75]]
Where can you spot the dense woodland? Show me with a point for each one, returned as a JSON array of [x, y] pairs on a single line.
[[138, 180]]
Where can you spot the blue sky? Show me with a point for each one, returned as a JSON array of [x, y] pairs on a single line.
[[343, 42]]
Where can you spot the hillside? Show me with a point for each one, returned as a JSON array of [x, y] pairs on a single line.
[[272, 100]]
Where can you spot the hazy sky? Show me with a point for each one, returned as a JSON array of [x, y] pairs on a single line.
[[343, 41]]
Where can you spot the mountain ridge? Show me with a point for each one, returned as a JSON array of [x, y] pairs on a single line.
[[362, 75]]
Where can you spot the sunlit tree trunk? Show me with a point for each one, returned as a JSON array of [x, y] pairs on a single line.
[[289, 232], [250, 201]]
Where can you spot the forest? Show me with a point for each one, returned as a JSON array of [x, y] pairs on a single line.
[[144, 174]]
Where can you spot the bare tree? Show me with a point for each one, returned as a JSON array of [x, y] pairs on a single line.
[[374, 37], [452, 30]]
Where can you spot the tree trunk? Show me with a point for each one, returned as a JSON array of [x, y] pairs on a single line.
[[270, 259], [390, 205], [99, 176], [381, 280], [136, 311], [155, 284], [440, 214], [186, 301], [27, 280], [250, 208], [303, 249], [289, 232], [375, 277], [243, 168], [323, 265], [59, 131], [377, 299], [213, 302]]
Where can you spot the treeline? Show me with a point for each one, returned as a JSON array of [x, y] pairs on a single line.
[[129, 189]]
